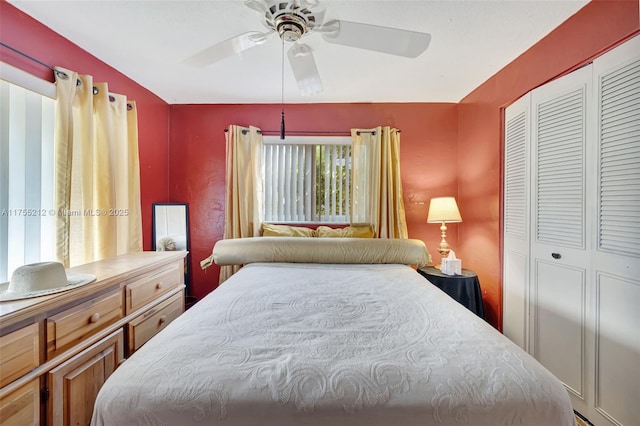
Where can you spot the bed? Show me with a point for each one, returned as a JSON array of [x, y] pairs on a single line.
[[329, 332]]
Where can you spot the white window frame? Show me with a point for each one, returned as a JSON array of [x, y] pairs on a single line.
[[284, 181]]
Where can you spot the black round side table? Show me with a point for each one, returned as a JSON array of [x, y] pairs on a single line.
[[465, 288]]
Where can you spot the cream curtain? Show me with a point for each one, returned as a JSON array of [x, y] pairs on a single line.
[[97, 172], [376, 184], [244, 199]]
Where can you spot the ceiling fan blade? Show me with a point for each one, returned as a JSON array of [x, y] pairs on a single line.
[[304, 69], [309, 3], [389, 40], [227, 48], [256, 5]]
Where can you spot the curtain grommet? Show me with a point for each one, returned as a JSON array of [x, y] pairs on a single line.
[[62, 75]]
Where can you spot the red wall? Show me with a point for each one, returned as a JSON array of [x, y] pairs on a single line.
[[22, 32], [197, 161], [446, 149], [597, 27]]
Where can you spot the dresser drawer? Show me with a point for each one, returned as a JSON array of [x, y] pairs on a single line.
[[19, 353], [149, 287], [22, 406], [74, 325], [147, 325]]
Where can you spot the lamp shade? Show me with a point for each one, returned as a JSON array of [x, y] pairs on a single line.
[[443, 209]]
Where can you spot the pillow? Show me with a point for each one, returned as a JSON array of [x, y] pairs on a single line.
[[240, 251], [356, 231], [272, 230]]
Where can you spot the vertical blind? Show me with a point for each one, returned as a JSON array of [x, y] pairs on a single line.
[[288, 199], [307, 179], [26, 178], [333, 202]]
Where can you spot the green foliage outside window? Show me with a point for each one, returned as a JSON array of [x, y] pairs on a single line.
[[333, 184]]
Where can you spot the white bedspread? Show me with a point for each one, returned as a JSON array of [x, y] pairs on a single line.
[[303, 344]]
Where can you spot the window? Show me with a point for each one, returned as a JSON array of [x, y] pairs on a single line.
[[307, 179], [26, 170]]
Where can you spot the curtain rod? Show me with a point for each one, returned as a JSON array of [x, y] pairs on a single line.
[[61, 74], [309, 132], [31, 58]]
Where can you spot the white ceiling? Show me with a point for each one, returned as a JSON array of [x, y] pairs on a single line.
[[148, 40]]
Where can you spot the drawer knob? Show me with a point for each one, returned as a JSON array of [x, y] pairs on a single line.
[[556, 255], [159, 286], [162, 319], [94, 318]]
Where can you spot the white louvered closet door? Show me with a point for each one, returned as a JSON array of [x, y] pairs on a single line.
[[516, 223], [580, 316], [616, 255], [560, 239]]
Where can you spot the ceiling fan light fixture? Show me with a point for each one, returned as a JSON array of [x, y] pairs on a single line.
[[290, 27]]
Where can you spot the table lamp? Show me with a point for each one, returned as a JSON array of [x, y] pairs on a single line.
[[443, 210]]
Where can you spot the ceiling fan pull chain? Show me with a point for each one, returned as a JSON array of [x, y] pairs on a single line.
[[282, 95]]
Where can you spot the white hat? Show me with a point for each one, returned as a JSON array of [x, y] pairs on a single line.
[[39, 279]]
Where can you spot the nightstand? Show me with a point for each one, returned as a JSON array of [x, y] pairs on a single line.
[[464, 288]]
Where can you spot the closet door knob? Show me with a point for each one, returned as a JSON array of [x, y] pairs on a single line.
[[556, 255]]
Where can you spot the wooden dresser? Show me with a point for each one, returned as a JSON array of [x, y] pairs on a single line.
[[56, 351]]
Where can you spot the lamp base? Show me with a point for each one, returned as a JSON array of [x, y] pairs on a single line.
[[443, 248], [444, 252]]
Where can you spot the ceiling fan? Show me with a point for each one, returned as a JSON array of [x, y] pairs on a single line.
[[292, 20]]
